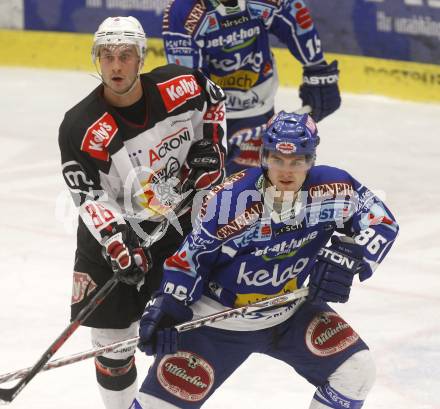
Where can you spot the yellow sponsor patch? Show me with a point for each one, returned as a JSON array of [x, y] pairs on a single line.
[[245, 299], [241, 79]]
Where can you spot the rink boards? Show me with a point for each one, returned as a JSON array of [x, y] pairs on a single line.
[[366, 75]]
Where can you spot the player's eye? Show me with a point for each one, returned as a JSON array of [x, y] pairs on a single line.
[[298, 162], [276, 161], [125, 57], [107, 58]]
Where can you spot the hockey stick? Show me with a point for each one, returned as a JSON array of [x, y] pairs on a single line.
[[186, 326], [8, 395], [161, 228]]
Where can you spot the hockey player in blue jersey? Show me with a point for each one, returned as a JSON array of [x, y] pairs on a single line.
[[229, 41], [262, 233]]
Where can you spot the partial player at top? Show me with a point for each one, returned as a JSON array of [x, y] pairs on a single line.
[[229, 41]]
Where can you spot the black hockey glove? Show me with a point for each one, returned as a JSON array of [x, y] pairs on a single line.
[[204, 166], [156, 332], [332, 275], [320, 89], [129, 261]]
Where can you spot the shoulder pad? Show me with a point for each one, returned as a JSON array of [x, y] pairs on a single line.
[[227, 184], [98, 137], [176, 90], [186, 14], [215, 93], [194, 17], [165, 72], [325, 182]]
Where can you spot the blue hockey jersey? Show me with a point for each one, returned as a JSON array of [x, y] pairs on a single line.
[[242, 251], [231, 45]]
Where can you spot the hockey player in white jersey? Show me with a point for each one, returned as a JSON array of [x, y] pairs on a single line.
[[262, 233], [126, 150]]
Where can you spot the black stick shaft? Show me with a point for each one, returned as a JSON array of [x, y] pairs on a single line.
[[8, 395]]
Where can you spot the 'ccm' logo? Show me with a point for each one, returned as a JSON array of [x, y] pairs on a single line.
[[177, 91]]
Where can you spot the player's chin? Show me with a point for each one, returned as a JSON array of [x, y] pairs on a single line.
[[286, 186], [119, 87]]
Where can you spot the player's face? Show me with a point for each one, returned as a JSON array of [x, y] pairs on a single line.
[[119, 67], [287, 172]]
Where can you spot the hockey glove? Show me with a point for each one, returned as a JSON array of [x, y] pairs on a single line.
[[332, 275], [156, 332], [320, 89], [204, 166], [129, 261]]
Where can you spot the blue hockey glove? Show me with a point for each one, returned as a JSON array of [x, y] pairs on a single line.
[[320, 89], [332, 275], [155, 332], [122, 249]]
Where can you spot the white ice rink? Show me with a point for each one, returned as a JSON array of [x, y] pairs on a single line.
[[391, 146]]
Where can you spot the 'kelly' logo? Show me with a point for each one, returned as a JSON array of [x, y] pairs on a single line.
[[177, 91], [98, 137]]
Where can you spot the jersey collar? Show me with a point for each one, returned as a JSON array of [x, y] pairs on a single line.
[[226, 11]]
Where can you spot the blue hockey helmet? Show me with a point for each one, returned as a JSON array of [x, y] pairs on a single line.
[[290, 133]]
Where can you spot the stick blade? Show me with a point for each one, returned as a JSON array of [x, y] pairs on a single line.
[[8, 395]]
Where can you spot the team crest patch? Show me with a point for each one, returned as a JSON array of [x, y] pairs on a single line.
[[185, 375], [83, 285], [285, 147], [329, 334]]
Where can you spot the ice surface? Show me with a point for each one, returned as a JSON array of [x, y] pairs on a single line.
[[391, 146]]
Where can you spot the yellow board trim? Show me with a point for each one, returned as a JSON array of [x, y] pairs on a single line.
[[365, 75], [69, 51], [245, 299]]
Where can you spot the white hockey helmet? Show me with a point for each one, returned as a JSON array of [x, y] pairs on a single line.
[[120, 30]]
